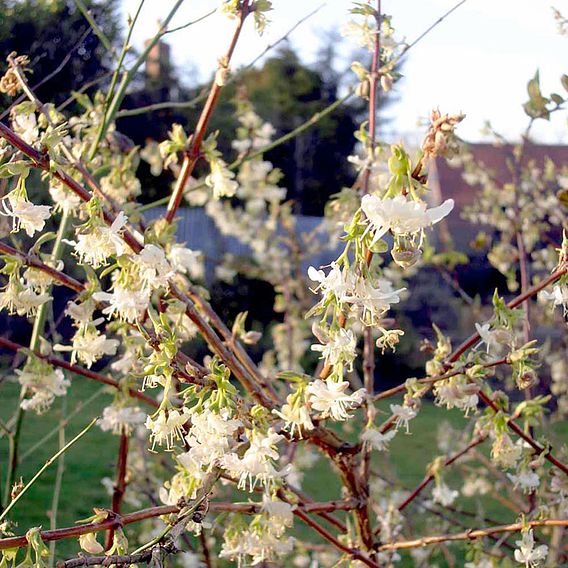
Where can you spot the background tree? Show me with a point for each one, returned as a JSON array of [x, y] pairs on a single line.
[[34, 28]]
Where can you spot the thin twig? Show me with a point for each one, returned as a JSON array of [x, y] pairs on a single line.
[[473, 534], [38, 474]]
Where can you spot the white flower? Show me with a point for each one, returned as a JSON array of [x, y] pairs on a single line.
[[504, 452], [21, 300], [89, 346], [457, 392], [341, 347], [558, 296], [127, 304], [153, 267], [64, 199], [281, 515], [375, 440], [221, 180], [374, 298], [401, 215], [403, 415], [444, 495], [44, 383], [211, 436], [88, 542], [296, 416], [330, 399], [528, 480], [526, 553], [361, 32], [489, 337], [167, 427], [96, 246], [120, 419], [26, 126], [187, 261], [25, 215], [256, 464], [336, 282]]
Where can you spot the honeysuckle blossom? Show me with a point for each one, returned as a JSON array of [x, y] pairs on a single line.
[[491, 338], [330, 398], [97, 245], [127, 304], [44, 383], [187, 261], [526, 553], [221, 180], [403, 415], [336, 282], [64, 199], [401, 215], [21, 300], [261, 544], [166, 427], [376, 440], [295, 415], [25, 215], [153, 268], [256, 464], [526, 480], [120, 419], [457, 392], [88, 542], [505, 452], [374, 298], [89, 346], [341, 347], [444, 495], [211, 436], [558, 296], [26, 126], [280, 514]]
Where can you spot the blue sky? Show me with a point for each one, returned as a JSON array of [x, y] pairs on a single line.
[[478, 60]]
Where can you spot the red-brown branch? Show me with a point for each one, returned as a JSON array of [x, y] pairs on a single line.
[[33, 261], [120, 484], [475, 337], [193, 153], [472, 534], [87, 373], [116, 521], [355, 553], [428, 478], [526, 437]]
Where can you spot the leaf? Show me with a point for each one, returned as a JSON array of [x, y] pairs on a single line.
[[564, 81], [19, 167]]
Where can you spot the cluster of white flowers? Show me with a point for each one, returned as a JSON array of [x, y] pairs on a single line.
[[529, 554], [331, 399], [43, 383], [264, 539], [18, 297], [166, 426], [400, 215], [98, 242], [121, 419], [24, 214], [371, 299], [88, 345], [256, 465], [221, 179]]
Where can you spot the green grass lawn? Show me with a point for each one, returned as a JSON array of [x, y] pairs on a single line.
[[93, 457]]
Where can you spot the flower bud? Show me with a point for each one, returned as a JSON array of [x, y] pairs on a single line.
[[362, 90]]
